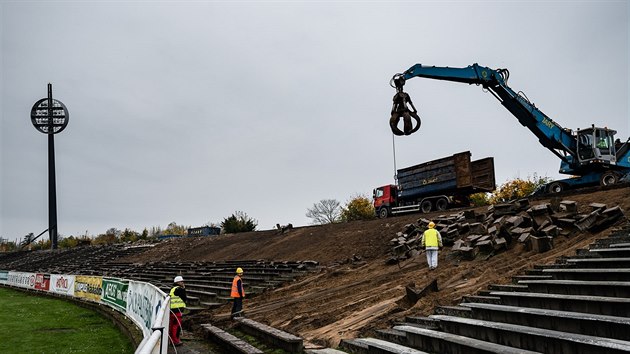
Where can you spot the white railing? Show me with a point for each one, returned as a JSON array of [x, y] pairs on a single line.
[[145, 304]]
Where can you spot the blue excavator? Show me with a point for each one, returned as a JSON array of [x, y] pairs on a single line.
[[591, 156]]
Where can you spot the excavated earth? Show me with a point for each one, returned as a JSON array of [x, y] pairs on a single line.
[[355, 292]]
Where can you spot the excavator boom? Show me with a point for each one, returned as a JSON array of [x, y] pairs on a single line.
[[582, 152]]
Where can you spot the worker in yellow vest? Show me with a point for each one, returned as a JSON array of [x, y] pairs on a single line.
[[432, 242], [237, 294], [178, 304]]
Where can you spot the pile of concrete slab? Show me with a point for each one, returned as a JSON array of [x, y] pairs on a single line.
[[504, 225]]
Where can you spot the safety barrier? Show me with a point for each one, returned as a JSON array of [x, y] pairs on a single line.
[[143, 303]]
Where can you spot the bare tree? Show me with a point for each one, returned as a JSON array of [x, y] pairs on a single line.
[[326, 211]]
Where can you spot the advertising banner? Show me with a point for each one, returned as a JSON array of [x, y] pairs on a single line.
[[42, 281], [4, 275], [115, 293], [62, 284], [88, 287], [144, 301], [21, 279]]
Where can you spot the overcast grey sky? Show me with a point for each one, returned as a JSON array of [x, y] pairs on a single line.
[[188, 111]]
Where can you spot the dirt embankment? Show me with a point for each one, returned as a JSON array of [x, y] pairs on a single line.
[[349, 298]]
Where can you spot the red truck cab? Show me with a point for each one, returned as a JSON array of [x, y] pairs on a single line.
[[384, 198]]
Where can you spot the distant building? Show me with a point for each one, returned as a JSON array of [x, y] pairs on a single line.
[[204, 231]]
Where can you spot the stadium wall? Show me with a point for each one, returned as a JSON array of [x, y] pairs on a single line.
[[142, 303]]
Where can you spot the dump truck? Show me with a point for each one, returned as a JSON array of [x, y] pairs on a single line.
[[435, 185]]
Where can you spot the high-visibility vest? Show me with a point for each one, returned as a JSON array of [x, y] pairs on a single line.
[[431, 238], [234, 292], [176, 301]]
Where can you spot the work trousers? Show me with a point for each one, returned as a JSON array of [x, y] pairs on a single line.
[[237, 306], [432, 257], [175, 326]]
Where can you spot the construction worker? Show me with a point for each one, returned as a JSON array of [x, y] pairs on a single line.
[[237, 294], [178, 304], [431, 241]]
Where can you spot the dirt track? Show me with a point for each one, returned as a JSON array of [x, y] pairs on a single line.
[[350, 297]]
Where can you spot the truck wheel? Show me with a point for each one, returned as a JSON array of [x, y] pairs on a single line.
[[383, 213], [441, 204], [608, 178], [426, 206], [556, 187]]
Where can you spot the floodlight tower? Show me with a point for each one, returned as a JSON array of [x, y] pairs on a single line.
[[50, 117]]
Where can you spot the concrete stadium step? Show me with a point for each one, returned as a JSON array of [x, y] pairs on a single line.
[[443, 342], [392, 335], [202, 295], [507, 287], [377, 346], [275, 337], [483, 292], [209, 288], [196, 308], [228, 341], [191, 300], [573, 322], [623, 244], [612, 306], [424, 322], [453, 311], [602, 274], [482, 299], [579, 287], [537, 270], [323, 351], [516, 278], [615, 262], [531, 338], [612, 240], [616, 252], [211, 305]]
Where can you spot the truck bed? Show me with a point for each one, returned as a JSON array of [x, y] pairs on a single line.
[[450, 175]]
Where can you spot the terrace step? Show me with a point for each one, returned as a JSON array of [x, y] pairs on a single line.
[[531, 338], [573, 322], [424, 322], [612, 306], [580, 287], [482, 299], [273, 336], [607, 274], [616, 262], [516, 278], [507, 287], [379, 346], [228, 341], [442, 342]]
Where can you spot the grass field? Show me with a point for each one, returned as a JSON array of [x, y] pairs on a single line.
[[39, 324]]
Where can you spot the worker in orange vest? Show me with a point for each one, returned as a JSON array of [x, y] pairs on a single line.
[[237, 294], [432, 242]]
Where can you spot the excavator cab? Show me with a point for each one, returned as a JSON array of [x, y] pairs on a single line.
[[596, 145]]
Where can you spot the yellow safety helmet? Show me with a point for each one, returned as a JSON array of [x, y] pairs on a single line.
[[239, 270], [431, 225]]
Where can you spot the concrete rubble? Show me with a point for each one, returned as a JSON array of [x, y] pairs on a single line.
[[469, 233]]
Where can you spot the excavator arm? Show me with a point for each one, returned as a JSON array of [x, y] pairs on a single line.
[[551, 135]]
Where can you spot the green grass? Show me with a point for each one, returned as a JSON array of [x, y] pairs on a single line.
[[39, 324]]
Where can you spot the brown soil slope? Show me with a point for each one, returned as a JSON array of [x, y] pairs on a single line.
[[349, 298]]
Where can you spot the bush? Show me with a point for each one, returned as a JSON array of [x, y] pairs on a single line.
[[517, 188], [358, 208], [480, 199], [238, 222]]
